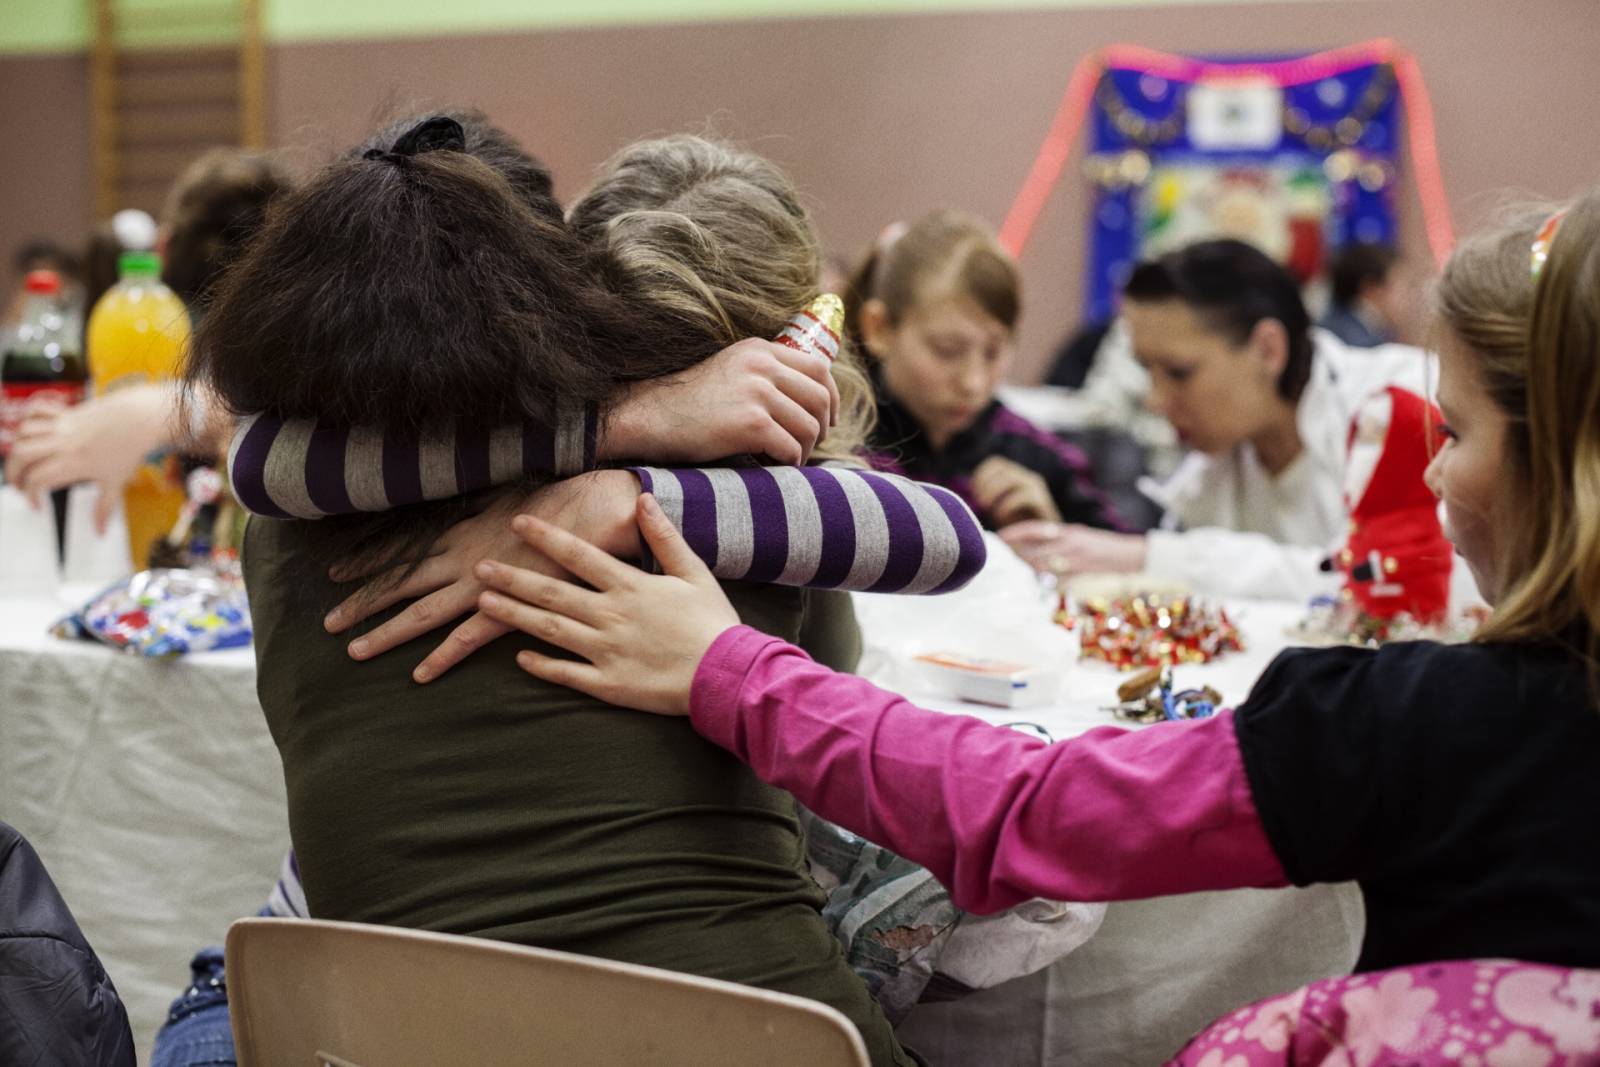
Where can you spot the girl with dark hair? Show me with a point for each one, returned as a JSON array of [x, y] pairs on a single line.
[[1264, 404], [414, 286]]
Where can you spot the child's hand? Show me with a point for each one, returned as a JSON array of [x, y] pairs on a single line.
[[1008, 492], [1063, 548], [752, 398], [598, 505], [103, 440], [643, 635]]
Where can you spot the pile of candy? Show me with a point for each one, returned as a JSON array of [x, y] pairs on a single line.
[[161, 613], [1150, 629], [1149, 697]]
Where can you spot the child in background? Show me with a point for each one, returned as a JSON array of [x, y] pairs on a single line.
[[935, 306], [212, 212], [1454, 783]]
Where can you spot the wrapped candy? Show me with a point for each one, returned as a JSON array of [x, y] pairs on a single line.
[[1149, 696], [162, 613], [1150, 630], [817, 328]]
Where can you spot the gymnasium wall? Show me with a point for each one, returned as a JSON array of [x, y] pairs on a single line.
[[879, 113]]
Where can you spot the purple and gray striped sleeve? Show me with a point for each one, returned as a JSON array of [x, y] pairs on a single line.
[[833, 527], [297, 468]]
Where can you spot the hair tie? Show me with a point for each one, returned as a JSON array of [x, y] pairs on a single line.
[[438, 134], [1543, 240]]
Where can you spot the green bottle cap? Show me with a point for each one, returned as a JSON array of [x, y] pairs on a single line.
[[138, 265]]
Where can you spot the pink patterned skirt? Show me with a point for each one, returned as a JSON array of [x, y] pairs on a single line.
[[1468, 1013]]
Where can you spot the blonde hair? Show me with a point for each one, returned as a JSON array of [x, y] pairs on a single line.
[[1536, 347], [718, 238], [942, 252]]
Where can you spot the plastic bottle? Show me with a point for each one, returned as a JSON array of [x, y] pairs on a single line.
[[138, 333], [41, 359]]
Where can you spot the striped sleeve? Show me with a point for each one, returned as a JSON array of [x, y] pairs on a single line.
[[832, 527], [288, 897], [299, 468]]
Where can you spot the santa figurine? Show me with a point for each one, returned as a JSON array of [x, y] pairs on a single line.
[[1396, 560]]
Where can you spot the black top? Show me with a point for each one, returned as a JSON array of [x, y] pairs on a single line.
[[1456, 783], [899, 445]]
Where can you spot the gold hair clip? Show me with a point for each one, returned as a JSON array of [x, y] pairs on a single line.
[[1543, 239]]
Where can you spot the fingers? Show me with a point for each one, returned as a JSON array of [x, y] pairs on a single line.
[[672, 552], [540, 590], [796, 422], [778, 445], [573, 554], [463, 641], [419, 617], [547, 626], [809, 394], [574, 674], [105, 505], [815, 367], [1030, 532], [27, 457], [385, 591]]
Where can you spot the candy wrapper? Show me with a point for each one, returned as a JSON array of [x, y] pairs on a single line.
[[817, 328], [1341, 620], [163, 613], [1150, 696], [1150, 629]]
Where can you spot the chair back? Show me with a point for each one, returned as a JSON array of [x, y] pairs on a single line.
[[307, 993]]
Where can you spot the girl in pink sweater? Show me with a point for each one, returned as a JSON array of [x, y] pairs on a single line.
[[1455, 784]]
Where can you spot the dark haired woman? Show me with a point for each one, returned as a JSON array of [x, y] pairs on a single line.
[[430, 283], [1263, 402]]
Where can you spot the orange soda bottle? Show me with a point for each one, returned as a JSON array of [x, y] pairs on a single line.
[[138, 333]]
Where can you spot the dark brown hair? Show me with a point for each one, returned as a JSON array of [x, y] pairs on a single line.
[[1232, 286], [415, 289], [424, 280], [213, 211]]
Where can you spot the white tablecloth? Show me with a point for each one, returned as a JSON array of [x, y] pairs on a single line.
[[152, 791], [155, 796], [1157, 970]]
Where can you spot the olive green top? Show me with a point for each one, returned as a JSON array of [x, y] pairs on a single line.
[[492, 804]]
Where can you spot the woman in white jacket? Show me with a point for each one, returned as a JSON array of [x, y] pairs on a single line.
[[1263, 403]]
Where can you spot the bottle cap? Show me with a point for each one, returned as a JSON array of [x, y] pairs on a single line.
[[138, 265], [44, 282]]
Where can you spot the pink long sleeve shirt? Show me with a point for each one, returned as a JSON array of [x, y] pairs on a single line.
[[997, 816]]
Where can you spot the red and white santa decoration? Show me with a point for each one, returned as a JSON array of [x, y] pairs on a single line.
[[1395, 559]]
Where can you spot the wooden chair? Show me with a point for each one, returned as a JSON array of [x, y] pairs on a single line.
[[306, 993]]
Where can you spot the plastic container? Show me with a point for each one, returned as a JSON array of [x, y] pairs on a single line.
[[999, 683], [42, 359], [138, 333]]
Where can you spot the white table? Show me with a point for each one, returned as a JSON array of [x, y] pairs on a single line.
[[152, 790], [155, 796], [1157, 970]]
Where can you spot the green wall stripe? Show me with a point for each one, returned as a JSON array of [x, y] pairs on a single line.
[[38, 26]]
